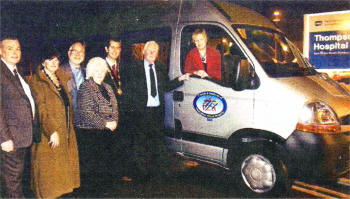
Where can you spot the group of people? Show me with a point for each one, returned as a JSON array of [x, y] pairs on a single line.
[[80, 122]]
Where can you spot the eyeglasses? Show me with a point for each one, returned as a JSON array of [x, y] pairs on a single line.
[[76, 52]]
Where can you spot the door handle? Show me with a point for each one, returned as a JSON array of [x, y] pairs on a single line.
[[178, 96]]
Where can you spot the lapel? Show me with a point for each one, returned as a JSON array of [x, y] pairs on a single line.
[[97, 94], [12, 80], [45, 79], [197, 58], [209, 58], [143, 80], [62, 78]]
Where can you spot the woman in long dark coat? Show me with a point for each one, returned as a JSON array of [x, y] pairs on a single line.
[[54, 161]]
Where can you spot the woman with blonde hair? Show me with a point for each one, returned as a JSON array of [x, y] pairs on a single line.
[[203, 60]]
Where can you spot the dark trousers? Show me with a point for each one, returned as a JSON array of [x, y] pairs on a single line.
[[12, 166], [96, 155], [149, 147]]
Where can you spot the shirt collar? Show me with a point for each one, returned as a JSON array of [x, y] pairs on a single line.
[[146, 64], [110, 62], [11, 68], [74, 67]]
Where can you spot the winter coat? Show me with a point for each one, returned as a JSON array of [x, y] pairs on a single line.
[[54, 171]]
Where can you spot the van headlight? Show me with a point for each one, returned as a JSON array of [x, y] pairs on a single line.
[[318, 117]]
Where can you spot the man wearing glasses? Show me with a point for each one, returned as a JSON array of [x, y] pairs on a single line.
[[76, 55]]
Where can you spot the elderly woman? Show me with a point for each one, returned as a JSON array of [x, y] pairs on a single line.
[[202, 60], [98, 118], [54, 161]]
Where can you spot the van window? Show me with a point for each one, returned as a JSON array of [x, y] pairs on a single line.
[[134, 41], [274, 52], [218, 40]]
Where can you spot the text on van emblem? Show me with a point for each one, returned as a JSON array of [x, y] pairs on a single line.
[[210, 104]]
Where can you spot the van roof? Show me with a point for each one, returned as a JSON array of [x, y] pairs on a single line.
[[241, 15], [199, 11], [217, 11]]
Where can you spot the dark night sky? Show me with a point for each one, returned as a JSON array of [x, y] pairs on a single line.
[[36, 22]]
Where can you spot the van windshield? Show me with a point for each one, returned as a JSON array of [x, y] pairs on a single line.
[[278, 56]]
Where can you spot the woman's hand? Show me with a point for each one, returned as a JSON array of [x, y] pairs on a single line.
[[54, 140], [111, 125], [184, 77], [201, 73], [7, 146]]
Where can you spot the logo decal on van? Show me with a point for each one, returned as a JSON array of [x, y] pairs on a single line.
[[210, 104]]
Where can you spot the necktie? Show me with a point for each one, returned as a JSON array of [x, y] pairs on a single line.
[[114, 71], [79, 78], [16, 75], [153, 81]]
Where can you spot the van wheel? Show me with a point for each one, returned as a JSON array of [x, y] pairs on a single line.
[[260, 173]]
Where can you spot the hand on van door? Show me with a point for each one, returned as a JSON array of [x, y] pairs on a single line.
[[184, 77], [201, 73]]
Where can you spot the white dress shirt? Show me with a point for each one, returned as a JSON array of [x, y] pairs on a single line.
[[152, 101]]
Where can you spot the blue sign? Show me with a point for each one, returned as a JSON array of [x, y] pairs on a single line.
[[330, 50], [210, 104]]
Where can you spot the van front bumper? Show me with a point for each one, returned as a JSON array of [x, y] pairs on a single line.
[[323, 156]]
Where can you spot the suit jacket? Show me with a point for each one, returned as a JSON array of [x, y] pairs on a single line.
[[72, 87], [16, 119], [137, 86], [93, 109], [110, 80], [113, 82], [193, 62]]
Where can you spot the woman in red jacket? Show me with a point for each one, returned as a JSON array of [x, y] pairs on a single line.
[[202, 60]]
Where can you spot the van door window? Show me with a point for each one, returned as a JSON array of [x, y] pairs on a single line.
[[218, 55]]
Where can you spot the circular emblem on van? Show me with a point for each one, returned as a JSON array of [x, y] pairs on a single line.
[[210, 104]]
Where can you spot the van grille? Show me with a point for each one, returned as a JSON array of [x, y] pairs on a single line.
[[345, 120]]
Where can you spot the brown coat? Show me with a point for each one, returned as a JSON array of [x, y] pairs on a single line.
[[54, 171]]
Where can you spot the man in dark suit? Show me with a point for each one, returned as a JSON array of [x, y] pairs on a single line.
[[147, 83], [113, 77], [17, 118], [121, 139], [76, 56]]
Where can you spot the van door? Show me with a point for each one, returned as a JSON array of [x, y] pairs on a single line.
[[211, 110]]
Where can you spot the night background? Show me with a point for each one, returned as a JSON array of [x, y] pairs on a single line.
[[41, 23], [38, 24]]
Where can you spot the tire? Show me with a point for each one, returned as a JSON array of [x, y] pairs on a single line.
[[259, 172]]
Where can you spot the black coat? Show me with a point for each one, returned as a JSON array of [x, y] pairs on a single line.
[[136, 88]]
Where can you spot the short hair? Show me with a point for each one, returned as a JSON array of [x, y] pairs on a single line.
[[49, 53], [93, 64], [108, 42], [148, 44], [8, 38], [76, 42], [199, 31]]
